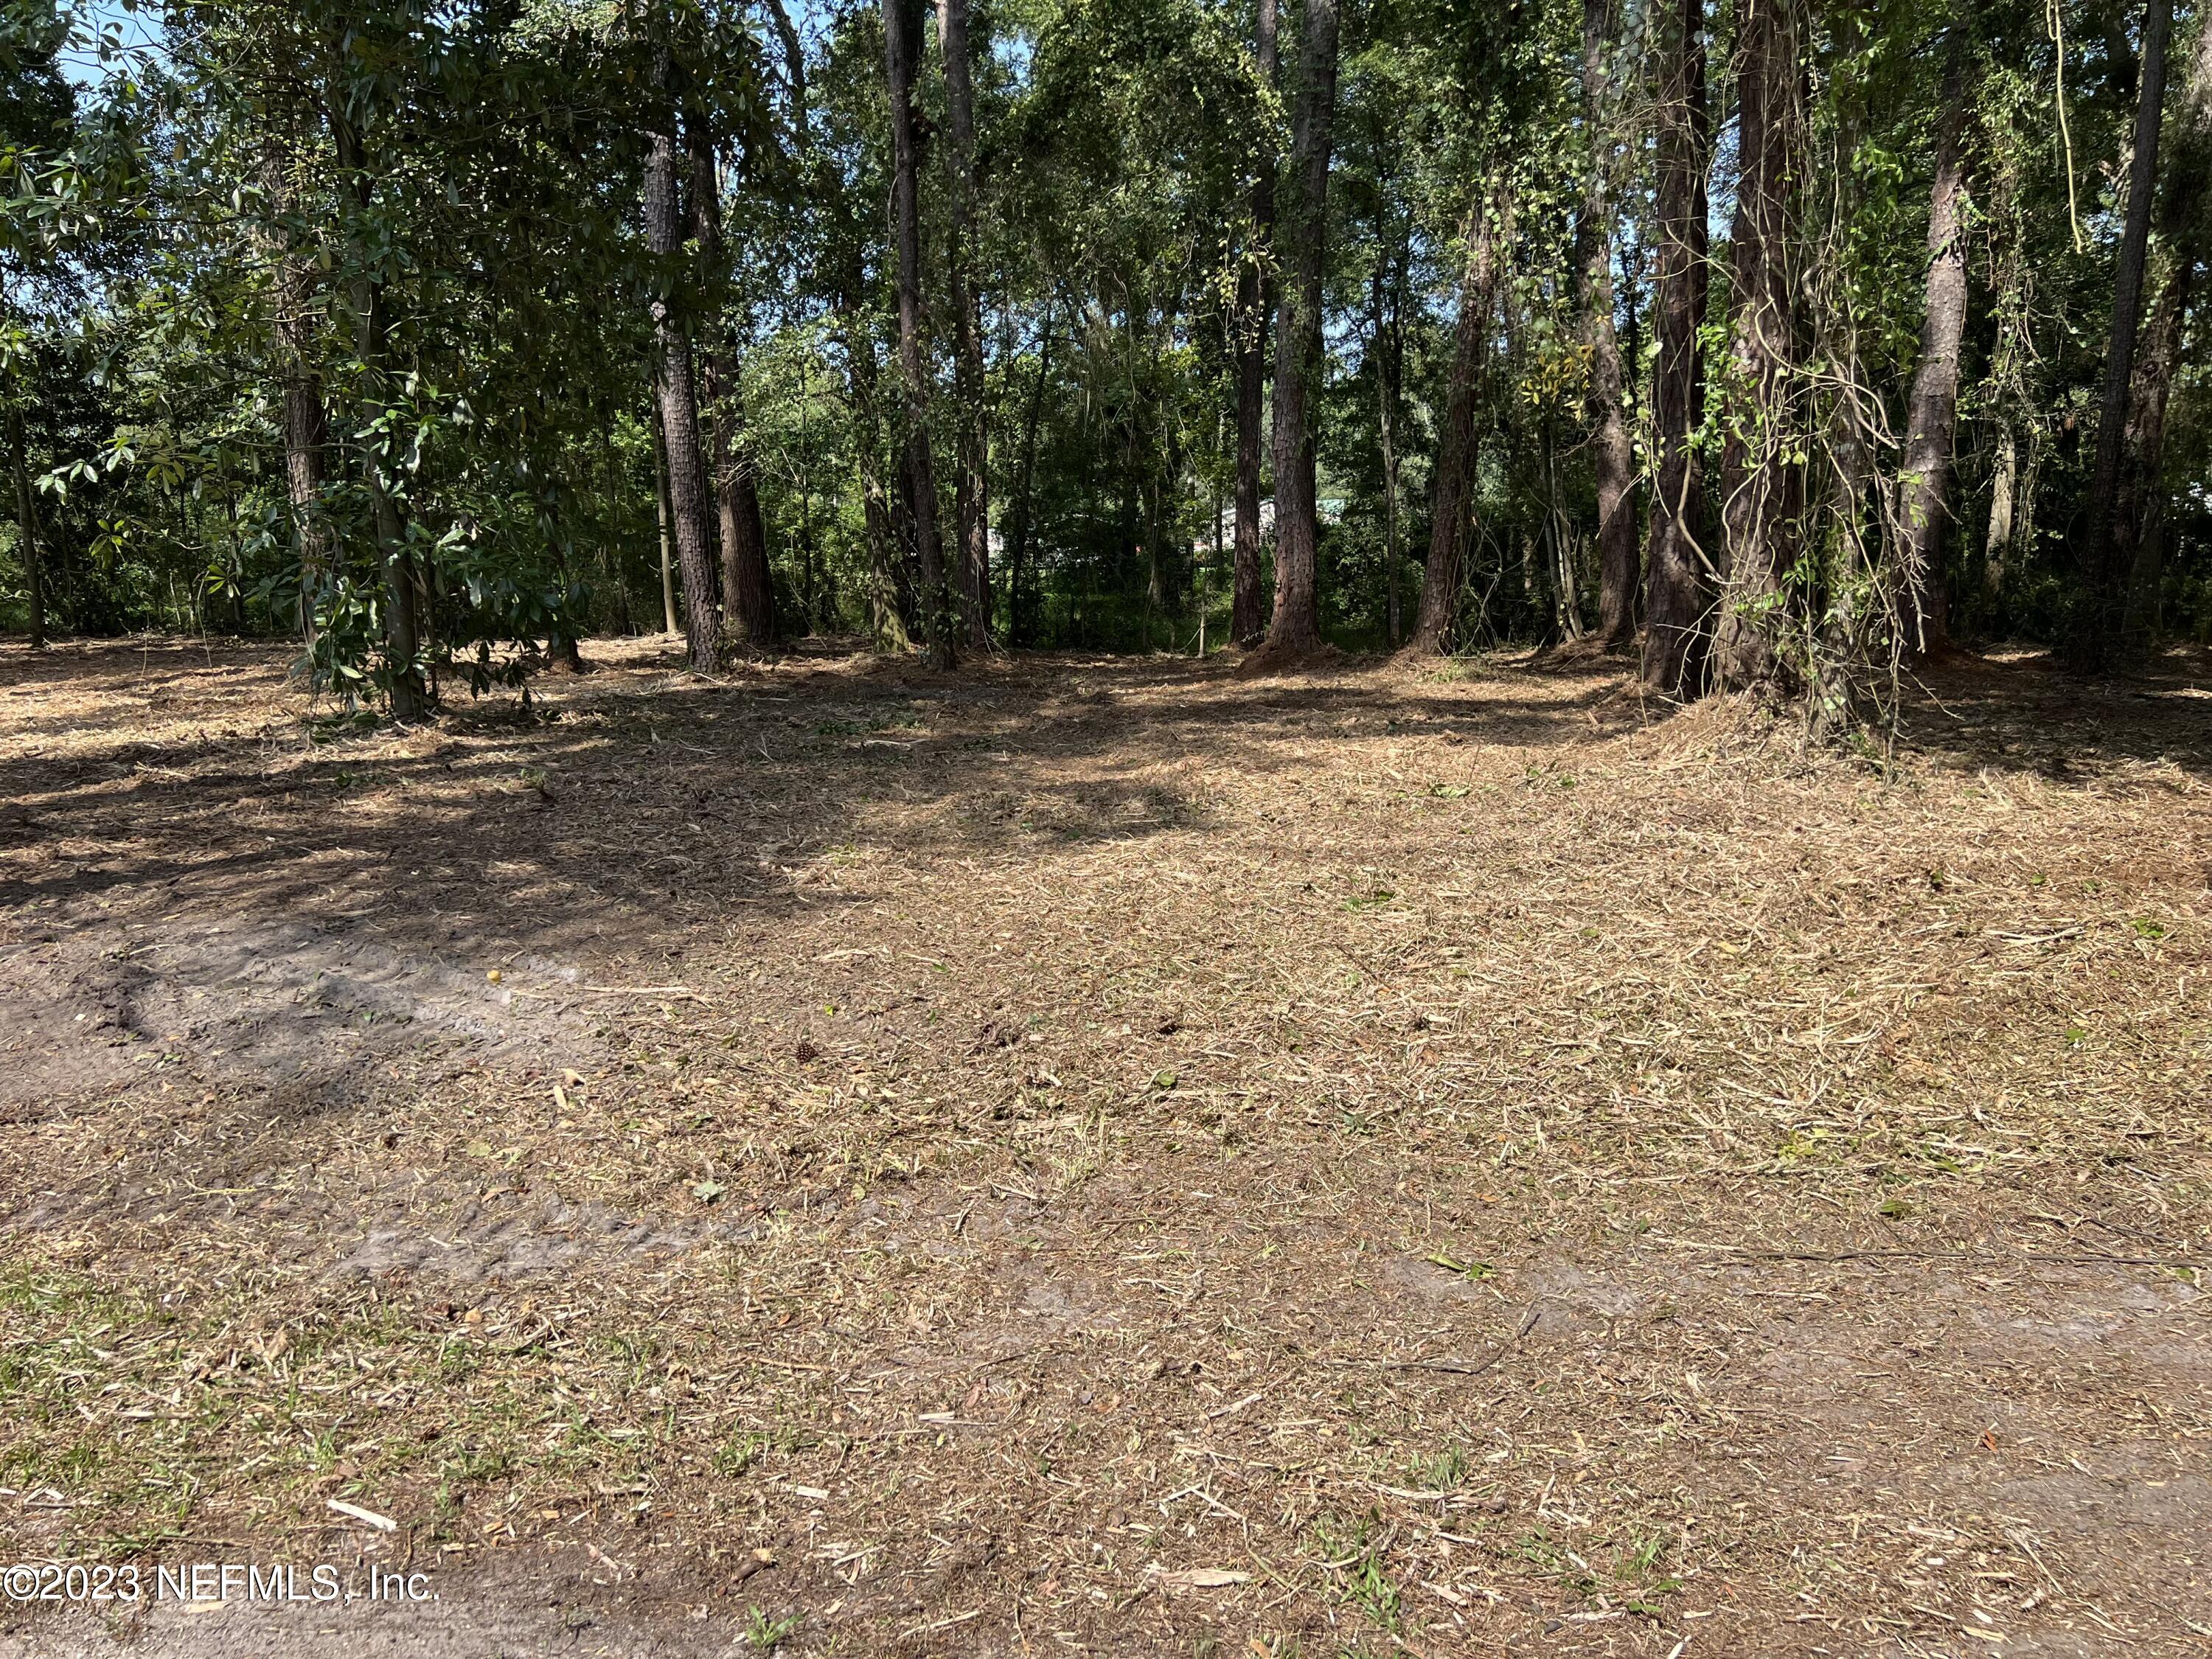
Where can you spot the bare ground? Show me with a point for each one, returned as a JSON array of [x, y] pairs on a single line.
[[1100, 1156]]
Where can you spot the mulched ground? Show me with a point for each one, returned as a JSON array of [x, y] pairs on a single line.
[[1098, 1156]]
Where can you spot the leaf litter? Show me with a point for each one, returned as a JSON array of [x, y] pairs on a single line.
[[1742, 1201]]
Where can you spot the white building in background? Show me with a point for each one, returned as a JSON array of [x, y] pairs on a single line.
[[1201, 545], [1331, 508]]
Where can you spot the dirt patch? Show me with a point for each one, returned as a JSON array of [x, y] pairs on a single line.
[[1104, 1155], [311, 1013]]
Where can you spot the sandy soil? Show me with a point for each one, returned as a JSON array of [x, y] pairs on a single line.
[[1101, 1157]]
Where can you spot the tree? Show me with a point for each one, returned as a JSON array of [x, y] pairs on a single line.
[[292, 322], [2186, 229], [1613, 456], [971, 512], [748, 593], [1673, 560], [1255, 298], [1294, 628], [689, 504], [2106, 558], [1762, 480], [27, 529], [902, 50], [1451, 494], [1923, 484], [1018, 537], [1387, 348], [351, 101]]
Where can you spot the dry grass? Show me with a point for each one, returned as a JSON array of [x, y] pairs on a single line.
[[1101, 1156]]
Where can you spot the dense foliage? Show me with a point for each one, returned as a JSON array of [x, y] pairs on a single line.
[[349, 322]]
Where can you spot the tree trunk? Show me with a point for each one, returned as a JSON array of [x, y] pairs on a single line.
[[690, 508], [901, 49], [2107, 560], [2004, 486], [2139, 506], [1451, 484], [1923, 485], [1613, 456], [748, 592], [307, 428], [410, 694], [667, 533], [1294, 631], [1255, 297], [1675, 591], [971, 483], [1389, 371], [1762, 483], [2186, 233], [886, 613], [27, 528], [1018, 542]]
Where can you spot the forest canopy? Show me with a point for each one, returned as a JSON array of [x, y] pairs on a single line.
[[1777, 343]]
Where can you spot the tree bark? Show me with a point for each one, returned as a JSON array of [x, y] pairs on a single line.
[[887, 612], [1389, 373], [306, 429], [971, 481], [2106, 561], [1017, 541], [1613, 456], [2003, 485], [1255, 298], [748, 590], [690, 508], [1762, 483], [1923, 486], [667, 533], [902, 44], [305, 423], [1675, 591], [1451, 484], [407, 688], [2186, 233], [26, 529], [1294, 631]]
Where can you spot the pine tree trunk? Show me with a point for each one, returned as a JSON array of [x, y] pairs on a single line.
[[1256, 296], [409, 692], [667, 533], [2139, 506], [1675, 591], [971, 483], [1018, 542], [1451, 483], [886, 612], [1613, 456], [1762, 483], [2186, 234], [306, 423], [26, 529], [748, 591], [305, 430], [1923, 485], [690, 506], [902, 50], [2106, 559], [2004, 486], [1389, 366], [1294, 631]]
